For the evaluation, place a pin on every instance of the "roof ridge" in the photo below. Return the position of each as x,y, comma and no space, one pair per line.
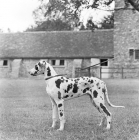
81,31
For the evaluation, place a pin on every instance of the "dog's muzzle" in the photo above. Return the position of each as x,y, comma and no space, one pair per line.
32,73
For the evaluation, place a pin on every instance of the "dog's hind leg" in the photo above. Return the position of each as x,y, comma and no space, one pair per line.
102,120
107,115
99,104
102,109
98,108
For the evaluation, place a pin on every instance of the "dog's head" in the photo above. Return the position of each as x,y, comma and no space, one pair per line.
39,68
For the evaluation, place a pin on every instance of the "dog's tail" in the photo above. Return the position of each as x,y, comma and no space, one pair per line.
107,98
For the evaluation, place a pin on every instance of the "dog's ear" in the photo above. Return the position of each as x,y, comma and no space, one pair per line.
42,63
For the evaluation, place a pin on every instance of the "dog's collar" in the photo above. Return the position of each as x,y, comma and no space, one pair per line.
54,76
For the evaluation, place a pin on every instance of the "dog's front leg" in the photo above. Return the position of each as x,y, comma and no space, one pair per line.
54,113
60,105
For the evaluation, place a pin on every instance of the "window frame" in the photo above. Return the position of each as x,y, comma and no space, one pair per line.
5,63
102,64
129,50
134,53
61,62
58,62
53,64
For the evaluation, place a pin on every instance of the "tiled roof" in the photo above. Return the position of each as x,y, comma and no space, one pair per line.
64,44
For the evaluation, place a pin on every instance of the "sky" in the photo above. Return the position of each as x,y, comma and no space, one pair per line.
17,14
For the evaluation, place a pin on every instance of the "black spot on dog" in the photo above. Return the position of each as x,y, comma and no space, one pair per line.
85,84
48,72
62,78
91,81
103,90
58,83
36,67
59,95
97,85
69,87
95,93
85,90
59,105
76,81
66,96
71,96
61,114
104,109
75,88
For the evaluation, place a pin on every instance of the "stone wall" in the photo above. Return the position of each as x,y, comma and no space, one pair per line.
18,68
5,70
126,36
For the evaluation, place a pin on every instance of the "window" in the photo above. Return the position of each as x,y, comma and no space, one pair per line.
136,54
5,62
61,62
57,62
53,62
131,52
103,62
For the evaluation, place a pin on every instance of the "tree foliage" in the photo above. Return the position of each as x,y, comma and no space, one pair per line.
68,14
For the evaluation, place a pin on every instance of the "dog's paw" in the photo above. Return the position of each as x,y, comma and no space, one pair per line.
60,129
107,128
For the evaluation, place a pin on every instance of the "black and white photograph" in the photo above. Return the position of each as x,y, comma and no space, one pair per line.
69,69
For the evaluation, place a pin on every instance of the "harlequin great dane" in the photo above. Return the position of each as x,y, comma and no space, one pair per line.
60,89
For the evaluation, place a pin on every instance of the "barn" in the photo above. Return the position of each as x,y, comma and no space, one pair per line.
65,50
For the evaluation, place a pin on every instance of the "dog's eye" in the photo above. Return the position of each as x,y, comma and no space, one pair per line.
36,67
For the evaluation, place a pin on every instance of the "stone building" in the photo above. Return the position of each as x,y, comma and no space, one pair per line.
65,50
126,39
68,50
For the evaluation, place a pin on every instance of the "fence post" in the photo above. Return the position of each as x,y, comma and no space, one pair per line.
89,72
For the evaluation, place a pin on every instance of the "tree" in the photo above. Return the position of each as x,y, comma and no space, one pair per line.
72,13
51,25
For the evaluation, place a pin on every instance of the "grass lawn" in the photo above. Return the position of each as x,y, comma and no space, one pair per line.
25,113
